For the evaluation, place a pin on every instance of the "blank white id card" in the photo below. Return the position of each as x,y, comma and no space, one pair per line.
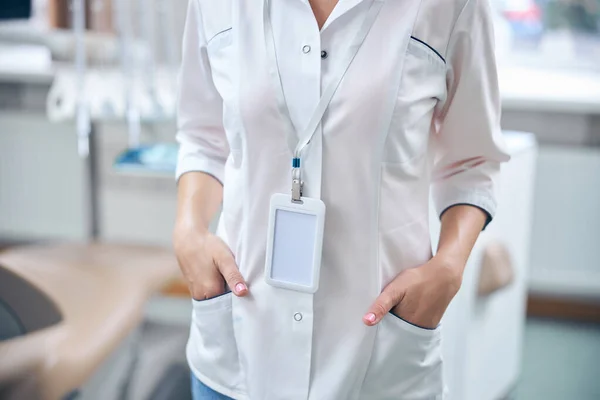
294,243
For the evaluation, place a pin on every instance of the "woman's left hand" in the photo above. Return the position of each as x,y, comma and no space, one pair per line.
419,295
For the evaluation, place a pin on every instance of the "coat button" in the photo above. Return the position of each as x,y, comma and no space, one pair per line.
324,54
306,49
298,317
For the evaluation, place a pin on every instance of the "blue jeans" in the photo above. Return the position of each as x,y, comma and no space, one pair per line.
202,392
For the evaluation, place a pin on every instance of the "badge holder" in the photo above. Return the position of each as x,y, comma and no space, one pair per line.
295,239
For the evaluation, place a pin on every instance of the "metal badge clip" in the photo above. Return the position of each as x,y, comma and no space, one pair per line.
296,189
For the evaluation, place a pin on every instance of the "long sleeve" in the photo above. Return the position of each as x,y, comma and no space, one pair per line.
202,139
469,144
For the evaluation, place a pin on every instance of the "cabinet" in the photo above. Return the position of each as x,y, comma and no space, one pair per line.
483,335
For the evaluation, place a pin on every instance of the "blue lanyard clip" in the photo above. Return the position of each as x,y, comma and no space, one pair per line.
297,184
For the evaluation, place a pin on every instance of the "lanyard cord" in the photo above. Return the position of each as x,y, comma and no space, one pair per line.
313,124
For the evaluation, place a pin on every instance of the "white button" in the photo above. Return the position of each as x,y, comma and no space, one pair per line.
306,49
298,316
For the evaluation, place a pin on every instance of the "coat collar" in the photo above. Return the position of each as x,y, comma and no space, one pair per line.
341,8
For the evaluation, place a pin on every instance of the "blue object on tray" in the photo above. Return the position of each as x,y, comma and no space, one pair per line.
159,157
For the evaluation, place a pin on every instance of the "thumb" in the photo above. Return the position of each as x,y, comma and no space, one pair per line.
229,270
388,299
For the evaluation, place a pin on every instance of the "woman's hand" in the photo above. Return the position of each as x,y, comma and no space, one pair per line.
207,264
205,260
419,295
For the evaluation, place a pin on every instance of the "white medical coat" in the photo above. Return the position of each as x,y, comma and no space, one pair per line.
417,110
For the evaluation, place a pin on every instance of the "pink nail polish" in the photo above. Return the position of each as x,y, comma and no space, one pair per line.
371,317
240,287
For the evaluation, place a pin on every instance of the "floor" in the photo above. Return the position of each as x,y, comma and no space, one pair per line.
561,361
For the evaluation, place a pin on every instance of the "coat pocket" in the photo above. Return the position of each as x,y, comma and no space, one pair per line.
426,52
220,40
406,363
212,349
412,125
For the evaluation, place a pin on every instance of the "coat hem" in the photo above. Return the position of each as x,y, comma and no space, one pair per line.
235,395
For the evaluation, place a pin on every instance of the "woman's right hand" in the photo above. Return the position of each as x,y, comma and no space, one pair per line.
207,263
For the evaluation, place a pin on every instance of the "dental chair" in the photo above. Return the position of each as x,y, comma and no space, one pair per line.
65,310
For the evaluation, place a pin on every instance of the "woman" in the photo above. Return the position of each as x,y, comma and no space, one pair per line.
403,97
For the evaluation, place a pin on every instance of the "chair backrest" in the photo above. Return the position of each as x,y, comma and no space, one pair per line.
23,307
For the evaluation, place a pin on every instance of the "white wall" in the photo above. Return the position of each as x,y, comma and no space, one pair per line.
566,236
43,192
566,227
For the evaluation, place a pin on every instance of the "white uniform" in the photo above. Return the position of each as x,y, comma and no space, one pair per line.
417,109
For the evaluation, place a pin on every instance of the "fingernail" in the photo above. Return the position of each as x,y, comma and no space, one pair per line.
240,287
370,317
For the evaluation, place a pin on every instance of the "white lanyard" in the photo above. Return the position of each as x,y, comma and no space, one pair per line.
311,129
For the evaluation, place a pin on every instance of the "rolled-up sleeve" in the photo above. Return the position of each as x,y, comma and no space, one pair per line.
468,140
200,133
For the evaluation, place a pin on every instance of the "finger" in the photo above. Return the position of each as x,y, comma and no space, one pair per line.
228,268
207,285
208,291
390,296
